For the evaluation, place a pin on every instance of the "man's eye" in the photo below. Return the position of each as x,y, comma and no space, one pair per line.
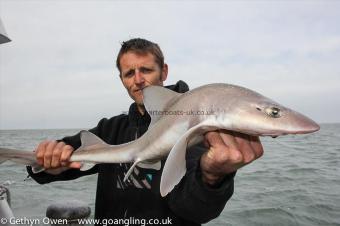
146,70
129,74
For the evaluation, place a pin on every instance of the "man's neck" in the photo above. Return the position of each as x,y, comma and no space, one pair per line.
141,109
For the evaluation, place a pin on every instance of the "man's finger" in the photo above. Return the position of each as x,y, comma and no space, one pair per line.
228,138
214,139
48,154
227,153
257,146
66,154
241,151
55,162
246,148
40,151
75,165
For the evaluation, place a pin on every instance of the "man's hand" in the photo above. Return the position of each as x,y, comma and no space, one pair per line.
228,151
54,156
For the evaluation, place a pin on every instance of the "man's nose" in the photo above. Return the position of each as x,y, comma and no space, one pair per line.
139,77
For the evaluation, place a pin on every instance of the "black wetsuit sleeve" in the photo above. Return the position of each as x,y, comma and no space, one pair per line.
70,174
195,201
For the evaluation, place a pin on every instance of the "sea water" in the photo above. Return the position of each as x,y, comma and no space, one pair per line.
296,182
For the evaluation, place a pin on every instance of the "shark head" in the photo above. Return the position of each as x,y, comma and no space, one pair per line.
271,119
255,114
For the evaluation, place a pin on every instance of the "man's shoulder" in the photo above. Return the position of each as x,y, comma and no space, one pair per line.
107,127
180,87
115,119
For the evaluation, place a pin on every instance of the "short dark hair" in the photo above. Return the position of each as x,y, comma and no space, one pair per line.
141,46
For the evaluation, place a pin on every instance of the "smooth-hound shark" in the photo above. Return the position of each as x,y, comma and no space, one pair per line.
179,121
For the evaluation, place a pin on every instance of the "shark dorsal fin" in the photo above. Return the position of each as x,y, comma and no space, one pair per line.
89,139
158,98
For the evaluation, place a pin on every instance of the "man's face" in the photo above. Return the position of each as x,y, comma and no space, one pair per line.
139,71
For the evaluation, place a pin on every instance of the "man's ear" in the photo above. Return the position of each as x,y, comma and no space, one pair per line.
164,72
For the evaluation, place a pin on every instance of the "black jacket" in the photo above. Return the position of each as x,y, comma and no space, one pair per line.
190,203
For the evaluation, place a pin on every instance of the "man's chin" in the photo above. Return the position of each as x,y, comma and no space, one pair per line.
138,100
139,103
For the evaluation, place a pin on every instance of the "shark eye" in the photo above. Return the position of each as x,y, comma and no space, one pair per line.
273,112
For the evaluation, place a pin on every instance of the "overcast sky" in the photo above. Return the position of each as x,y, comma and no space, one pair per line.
59,70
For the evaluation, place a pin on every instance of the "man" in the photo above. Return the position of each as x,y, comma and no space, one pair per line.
208,183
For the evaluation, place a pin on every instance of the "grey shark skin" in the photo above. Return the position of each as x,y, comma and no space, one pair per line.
180,120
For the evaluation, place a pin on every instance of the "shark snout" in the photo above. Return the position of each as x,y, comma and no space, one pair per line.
304,125
308,127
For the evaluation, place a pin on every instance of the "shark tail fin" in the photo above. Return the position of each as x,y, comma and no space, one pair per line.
20,157
17,156
5,154
3,159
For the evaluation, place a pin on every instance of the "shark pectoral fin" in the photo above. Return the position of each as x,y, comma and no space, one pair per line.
158,98
175,167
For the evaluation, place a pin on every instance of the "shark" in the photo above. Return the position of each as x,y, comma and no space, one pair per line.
179,121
